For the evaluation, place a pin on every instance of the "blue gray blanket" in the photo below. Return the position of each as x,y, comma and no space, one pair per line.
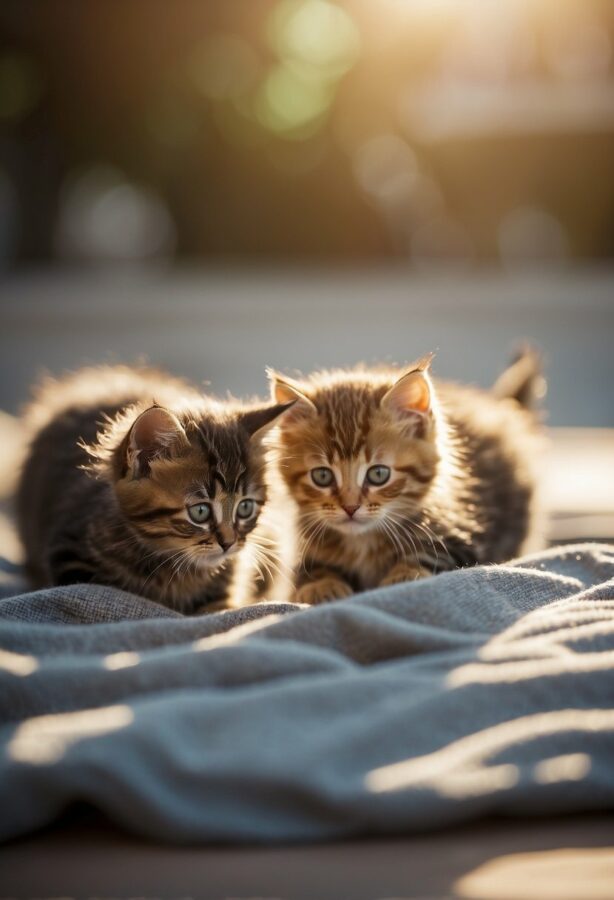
488,690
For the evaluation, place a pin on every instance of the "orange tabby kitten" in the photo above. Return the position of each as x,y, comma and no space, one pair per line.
396,478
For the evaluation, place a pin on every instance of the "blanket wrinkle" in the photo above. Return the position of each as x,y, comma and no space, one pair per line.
482,691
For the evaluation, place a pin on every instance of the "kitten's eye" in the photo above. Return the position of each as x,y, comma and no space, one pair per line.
199,513
245,509
378,474
322,476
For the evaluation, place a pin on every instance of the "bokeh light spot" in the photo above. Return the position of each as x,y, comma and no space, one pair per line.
105,216
531,234
385,166
317,37
286,103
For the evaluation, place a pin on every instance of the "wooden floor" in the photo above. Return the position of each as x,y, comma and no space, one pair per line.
551,859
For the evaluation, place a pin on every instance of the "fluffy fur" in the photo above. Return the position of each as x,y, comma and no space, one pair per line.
456,468
120,461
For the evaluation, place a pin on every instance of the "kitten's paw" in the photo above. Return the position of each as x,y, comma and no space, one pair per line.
322,591
404,572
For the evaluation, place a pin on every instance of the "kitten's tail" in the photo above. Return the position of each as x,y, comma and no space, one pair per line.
523,380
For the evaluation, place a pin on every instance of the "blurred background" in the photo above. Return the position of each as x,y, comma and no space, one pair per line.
219,185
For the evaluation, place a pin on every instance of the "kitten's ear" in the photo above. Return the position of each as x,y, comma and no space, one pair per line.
411,393
411,398
258,421
285,390
152,435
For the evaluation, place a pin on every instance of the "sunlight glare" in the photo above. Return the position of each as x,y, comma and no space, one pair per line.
19,664
461,768
569,767
235,635
45,739
525,669
562,874
123,660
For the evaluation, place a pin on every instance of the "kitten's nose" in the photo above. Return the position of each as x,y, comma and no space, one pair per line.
350,510
226,544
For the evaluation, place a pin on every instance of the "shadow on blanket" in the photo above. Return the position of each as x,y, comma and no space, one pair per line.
487,690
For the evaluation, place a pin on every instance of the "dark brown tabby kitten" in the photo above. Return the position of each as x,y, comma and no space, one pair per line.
158,501
396,477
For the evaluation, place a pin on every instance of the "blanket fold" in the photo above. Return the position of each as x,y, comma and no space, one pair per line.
486,690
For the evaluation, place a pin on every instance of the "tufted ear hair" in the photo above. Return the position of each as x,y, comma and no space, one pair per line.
286,390
154,434
258,421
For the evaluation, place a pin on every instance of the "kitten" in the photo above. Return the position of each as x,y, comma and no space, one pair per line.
396,477
159,501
